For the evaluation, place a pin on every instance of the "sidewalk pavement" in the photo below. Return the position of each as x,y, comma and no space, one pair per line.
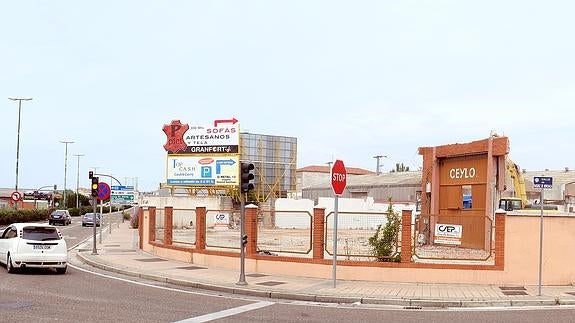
119,253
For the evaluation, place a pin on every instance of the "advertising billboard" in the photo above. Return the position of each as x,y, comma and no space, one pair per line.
207,170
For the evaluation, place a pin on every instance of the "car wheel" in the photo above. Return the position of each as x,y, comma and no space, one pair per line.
61,271
11,269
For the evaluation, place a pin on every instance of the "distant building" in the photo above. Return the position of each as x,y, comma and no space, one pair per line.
562,193
314,175
402,187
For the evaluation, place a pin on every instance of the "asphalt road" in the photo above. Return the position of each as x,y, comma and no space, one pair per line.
85,294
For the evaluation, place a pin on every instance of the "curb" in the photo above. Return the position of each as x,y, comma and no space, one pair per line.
398,302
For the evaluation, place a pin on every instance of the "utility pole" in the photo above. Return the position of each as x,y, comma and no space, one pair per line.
65,168
78,181
378,157
18,141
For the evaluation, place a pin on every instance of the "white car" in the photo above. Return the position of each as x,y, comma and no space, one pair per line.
33,245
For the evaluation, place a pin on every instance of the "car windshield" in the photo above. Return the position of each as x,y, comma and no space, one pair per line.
58,213
40,233
90,216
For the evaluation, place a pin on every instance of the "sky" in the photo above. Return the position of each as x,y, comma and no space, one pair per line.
349,79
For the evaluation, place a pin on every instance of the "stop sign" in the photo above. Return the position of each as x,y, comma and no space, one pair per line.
338,177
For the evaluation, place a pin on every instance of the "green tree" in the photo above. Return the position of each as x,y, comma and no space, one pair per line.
384,241
400,168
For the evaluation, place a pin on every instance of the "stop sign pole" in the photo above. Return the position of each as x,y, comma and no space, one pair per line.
338,183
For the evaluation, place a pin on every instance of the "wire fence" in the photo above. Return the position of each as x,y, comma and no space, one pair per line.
285,233
184,226
353,233
223,229
461,237
159,225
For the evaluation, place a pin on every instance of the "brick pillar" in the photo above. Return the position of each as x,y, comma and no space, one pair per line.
318,233
151,224
500,216
406,236
252,229
201,227
141,226
168,227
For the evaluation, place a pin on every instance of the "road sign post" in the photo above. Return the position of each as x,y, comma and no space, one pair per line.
541,182
338,183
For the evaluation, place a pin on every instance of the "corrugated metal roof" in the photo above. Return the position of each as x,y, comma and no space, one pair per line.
326,169
372,180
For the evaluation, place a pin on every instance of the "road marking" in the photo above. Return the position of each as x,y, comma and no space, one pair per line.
227,313
235,297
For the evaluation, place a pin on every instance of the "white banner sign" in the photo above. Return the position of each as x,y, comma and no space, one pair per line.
226,134
448,233
202,170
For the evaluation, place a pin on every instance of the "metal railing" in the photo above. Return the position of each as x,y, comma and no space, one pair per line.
474,244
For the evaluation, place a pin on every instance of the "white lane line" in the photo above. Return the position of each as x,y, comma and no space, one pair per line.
235,297
227,313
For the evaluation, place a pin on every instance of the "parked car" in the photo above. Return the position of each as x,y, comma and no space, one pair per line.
60,216
33,245
88,219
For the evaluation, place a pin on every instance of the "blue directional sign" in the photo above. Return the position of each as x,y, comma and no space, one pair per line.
542,182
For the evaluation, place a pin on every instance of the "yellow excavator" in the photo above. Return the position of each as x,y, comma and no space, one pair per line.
519,200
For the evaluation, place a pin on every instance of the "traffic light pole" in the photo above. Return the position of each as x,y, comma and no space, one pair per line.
242,281
94,249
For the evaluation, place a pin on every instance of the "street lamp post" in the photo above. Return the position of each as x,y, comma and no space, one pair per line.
78,181
18,141
65,168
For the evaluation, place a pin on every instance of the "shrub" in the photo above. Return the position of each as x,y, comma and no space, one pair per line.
384,241
9,216
134,221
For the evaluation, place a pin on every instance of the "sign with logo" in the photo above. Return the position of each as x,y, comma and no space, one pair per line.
223,137
202,170
448,234
542,182
463,170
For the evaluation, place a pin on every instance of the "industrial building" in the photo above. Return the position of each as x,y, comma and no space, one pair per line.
401,187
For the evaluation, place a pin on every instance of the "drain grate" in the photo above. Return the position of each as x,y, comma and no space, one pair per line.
270,283
150,260
112,245
512,288
570,293
514,293
257,275
190,268
13,305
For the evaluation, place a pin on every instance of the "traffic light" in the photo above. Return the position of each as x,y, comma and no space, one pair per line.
90,174
94,186
246,176
244,240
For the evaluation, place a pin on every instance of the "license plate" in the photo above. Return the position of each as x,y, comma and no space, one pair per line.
41,247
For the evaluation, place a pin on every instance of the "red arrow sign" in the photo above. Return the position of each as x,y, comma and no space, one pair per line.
338,177
232,120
